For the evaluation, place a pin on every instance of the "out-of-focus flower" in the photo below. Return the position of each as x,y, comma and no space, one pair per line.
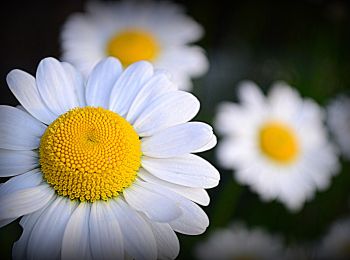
336,243
276,144
158,32
300,252
103,169
339,123
237,242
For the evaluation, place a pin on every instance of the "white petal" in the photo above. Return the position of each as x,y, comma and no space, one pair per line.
55,86
24,88
25,201
19,130
192,221
197,195
77,82
167,242
19,250
53,221
100,82
138,237
250,95
172,108
212,142
17,162
142,198
189,170
177,140
23,181
154,87
128,85
106,239
284,100
76,238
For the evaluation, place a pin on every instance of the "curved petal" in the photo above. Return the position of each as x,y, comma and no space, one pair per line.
138,237
20,182
17,162
24,88
172,108
156,207
75,243
177,140
212,143
192,221
106,239
167,242
101,80
27,180
53,221
154,87
19,250
189,170
56,86
77,82
25,201
197,195
128,85
19,130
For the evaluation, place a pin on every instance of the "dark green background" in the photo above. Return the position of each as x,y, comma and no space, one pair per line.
305,43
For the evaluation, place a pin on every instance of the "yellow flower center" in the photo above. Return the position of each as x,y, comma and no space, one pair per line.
90,154
133,45
278,142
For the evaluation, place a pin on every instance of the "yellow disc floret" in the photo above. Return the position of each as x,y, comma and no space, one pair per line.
278,142
90,154
133,45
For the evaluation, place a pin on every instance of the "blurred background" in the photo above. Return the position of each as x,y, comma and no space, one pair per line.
305,43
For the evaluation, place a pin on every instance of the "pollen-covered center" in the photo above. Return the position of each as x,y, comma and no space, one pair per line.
278,142
133,45
90,154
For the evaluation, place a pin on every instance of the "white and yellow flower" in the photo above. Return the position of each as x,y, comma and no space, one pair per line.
276,144
238,242
339,123
336,243
104,169
131,31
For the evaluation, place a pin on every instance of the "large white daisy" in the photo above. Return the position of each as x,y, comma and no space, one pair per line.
276,144
158,32
104,169
339,123
336,243
238,242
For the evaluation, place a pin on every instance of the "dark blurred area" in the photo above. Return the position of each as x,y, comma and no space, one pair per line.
305,43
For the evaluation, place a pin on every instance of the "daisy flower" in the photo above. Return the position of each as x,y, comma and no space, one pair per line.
276,144
102,170
237,242
336,243
339,123
131,31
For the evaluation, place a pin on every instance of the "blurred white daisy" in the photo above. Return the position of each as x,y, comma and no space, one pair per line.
276,144
103,170
159,32
237,242
339,123
336,243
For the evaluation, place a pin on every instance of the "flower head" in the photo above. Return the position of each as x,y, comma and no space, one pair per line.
158,32
106,167
276,144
